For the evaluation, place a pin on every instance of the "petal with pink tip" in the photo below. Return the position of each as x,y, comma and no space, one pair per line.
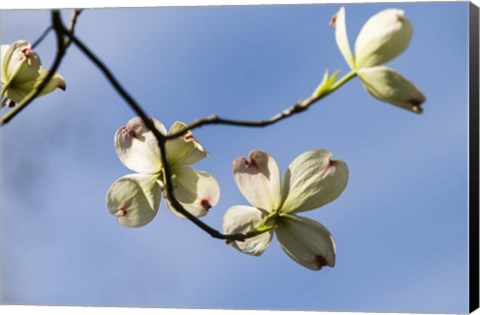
338,21
185,149
389,86
134,199
259,180
312,180
196,191
306,241
137,147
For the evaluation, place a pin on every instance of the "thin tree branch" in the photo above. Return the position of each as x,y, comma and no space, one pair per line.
113,81
169,194
71,26
42,37
296,108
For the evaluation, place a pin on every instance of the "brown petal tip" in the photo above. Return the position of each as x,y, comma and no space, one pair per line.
321,262
205,204
333,21
416,105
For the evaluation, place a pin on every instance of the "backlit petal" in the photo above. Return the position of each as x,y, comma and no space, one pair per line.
312,180
338,21
240,219
57,81
306,241
259,180
16,95
196,191
383,37
184,149
3,58
391,87
134,199
137,147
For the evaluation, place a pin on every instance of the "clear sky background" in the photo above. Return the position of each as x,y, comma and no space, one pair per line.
400,226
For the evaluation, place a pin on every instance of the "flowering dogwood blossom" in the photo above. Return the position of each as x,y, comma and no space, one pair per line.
383,37
22,72
312,180
134,199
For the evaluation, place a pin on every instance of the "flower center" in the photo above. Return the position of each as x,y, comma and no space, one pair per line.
321,261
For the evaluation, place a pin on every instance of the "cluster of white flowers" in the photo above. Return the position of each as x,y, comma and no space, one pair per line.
134,199
312,180
22,72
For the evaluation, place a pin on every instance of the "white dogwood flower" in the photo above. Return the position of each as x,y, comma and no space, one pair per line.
21,72
135,198
312,180
383,37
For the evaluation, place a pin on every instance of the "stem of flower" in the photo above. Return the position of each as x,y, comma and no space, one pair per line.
343,80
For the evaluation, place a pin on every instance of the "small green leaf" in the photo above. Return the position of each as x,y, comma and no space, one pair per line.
320,88
326,84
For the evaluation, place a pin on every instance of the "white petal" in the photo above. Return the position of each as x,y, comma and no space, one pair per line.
306,241
18,92
391,87
57,81
137,147
16,95
3,59
134,199
312,180
184,149
338,21
259,180
240,219
383,37
197,191
21,63
3,51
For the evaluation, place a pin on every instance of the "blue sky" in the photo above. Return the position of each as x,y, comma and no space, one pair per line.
400,226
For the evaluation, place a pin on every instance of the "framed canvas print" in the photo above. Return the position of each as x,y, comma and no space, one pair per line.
289,157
